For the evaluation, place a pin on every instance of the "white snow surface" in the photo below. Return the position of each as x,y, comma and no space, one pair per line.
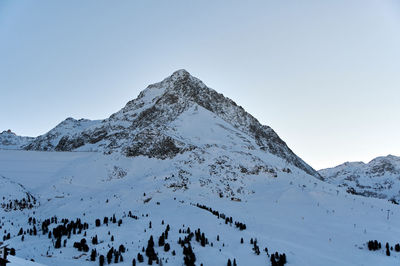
313,222
15,261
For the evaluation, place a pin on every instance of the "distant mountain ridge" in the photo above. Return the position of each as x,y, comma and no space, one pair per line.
380,178
148,126
9,140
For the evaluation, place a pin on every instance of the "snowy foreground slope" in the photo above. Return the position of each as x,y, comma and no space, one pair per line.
380,178
312,222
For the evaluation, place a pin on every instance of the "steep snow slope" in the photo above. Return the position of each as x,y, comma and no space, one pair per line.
312,222
380,178
151,125
9,140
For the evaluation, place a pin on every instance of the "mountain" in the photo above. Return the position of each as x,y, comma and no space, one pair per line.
380,178
177,115
9,140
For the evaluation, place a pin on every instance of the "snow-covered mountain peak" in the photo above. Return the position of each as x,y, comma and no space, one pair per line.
377,178
347,165
10,140
384,165
180,74
8,132
71,123
162,103
389,159
154,92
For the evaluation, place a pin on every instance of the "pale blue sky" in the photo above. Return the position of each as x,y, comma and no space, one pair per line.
324,74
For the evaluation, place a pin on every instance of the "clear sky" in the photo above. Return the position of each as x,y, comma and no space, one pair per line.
324,74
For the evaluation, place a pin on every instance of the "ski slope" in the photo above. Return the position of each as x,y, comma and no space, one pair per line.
312,222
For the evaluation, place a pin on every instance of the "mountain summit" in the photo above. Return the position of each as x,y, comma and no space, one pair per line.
179,115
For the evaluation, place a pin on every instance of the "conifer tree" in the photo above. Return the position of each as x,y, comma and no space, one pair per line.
58,243
101,260
161,240
387,251
12,251
150,249
109,256
273,262
203,240
93,255
140,258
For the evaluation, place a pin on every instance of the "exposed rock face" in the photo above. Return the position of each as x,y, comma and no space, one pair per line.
161,146
379,178
152,125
